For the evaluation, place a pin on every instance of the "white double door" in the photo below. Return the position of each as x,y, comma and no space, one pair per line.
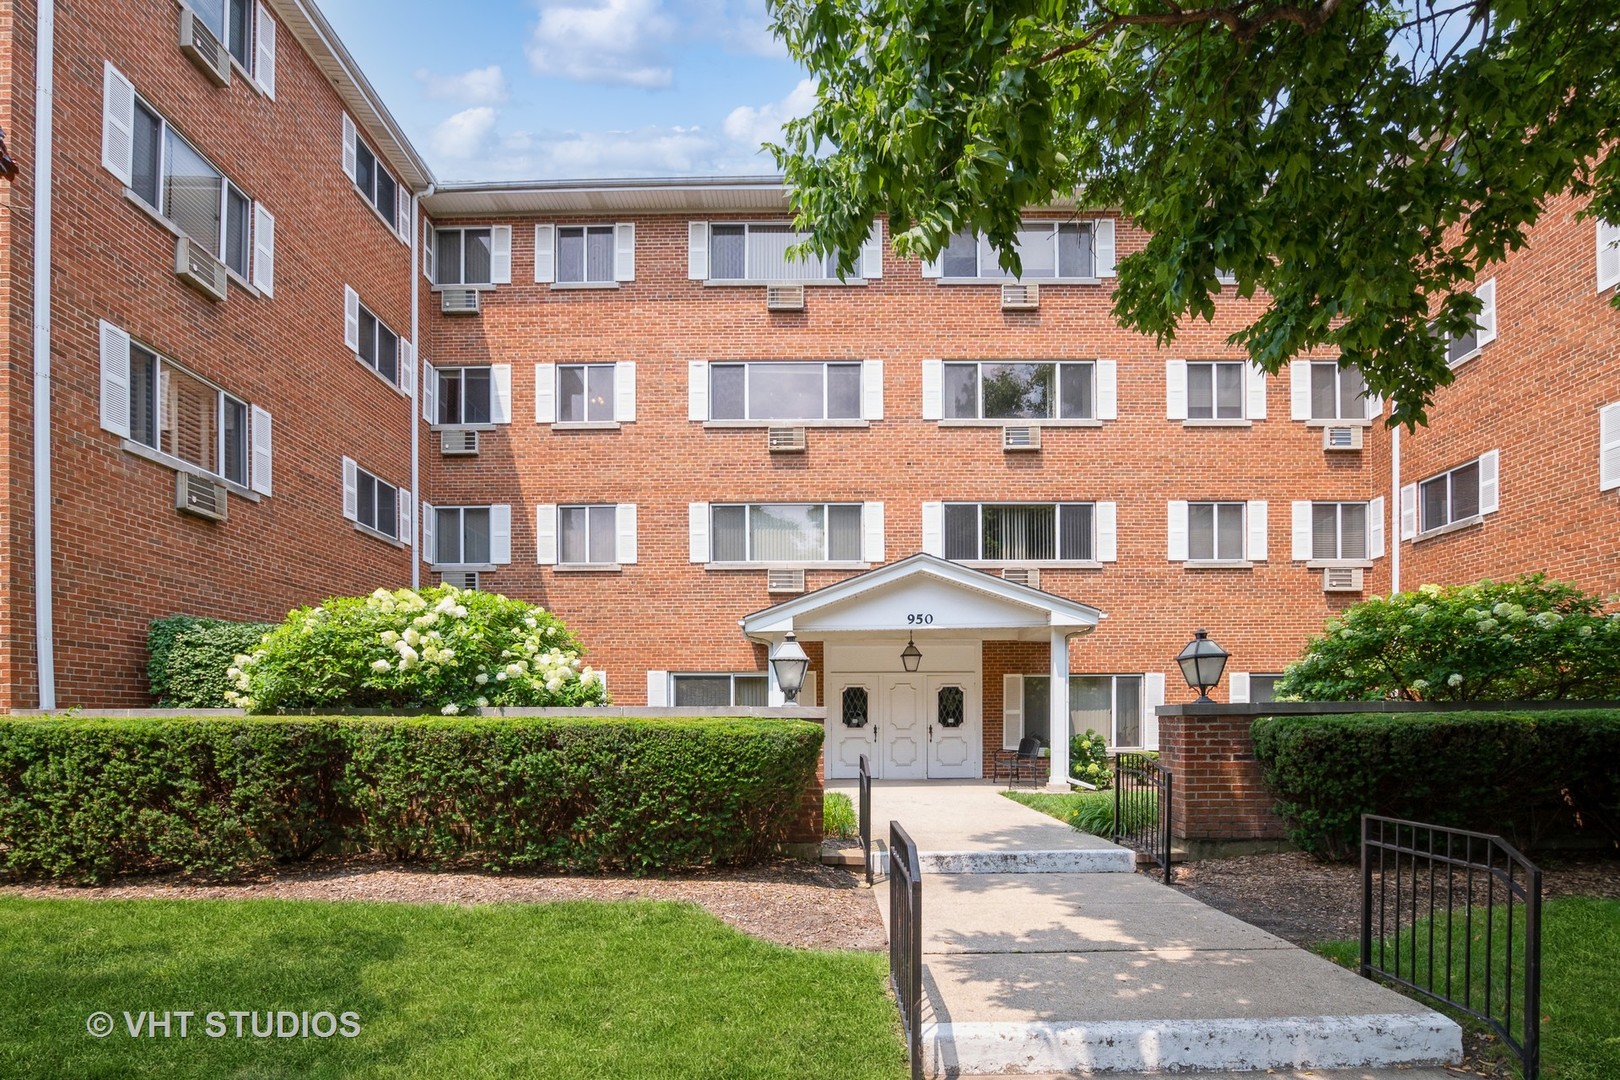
919,726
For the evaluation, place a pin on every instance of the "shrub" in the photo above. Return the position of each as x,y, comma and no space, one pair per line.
1522,774
1510,641
1095,813
838,819
189,657
87,799
441,650
1088,759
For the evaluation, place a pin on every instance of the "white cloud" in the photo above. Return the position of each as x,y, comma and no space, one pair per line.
604,41
742,26
752,126
465,135
480,86
578,155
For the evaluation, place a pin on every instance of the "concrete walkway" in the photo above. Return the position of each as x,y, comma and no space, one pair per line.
1043,971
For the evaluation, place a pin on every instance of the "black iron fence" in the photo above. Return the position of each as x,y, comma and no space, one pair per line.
865,818
905,938
1455,916
1143,794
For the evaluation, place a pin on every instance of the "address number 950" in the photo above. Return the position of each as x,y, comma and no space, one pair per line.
919,620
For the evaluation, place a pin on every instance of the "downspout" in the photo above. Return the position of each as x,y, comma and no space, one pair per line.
416,382
1394,525
44,609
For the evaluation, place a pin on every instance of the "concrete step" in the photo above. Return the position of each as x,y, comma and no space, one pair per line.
1054,861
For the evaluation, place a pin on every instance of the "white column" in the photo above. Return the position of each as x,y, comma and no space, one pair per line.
1059,704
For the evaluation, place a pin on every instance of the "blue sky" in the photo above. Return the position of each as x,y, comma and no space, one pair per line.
564,89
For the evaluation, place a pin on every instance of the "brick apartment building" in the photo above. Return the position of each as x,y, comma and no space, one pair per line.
618,399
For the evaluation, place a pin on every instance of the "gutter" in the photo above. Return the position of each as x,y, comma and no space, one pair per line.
1393,526
44,608
416,382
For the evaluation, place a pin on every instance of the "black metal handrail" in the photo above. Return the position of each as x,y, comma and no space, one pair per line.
1458,919
866,817
1144,792
905,938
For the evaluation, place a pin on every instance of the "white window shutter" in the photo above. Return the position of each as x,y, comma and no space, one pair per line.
1237,691
1299,390
1304,538
430,393
935,267
872,527
351,489
624,391
351,319
697,250
260,436
500,255
1375,406
697,391
117,124
407,368
1608,255
1375,528
545,253
1489,486
871,390
1256,516
114,380
1256,377
872,252
1106,515
500,534
624,545
933,389
1409,517
1012,711
1609,447
351,156
1176,547
1103,246
430,249
1487,313
545,534
657,689
406,515
500,393
264,36
403,216
697,531
933,529
1107,390
1152,698
624,251
545,393
264,249
428,551
1175,389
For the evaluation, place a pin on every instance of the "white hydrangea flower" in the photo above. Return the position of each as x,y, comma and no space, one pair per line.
483,703
380,666
389,637
1455,680
451,709
481,679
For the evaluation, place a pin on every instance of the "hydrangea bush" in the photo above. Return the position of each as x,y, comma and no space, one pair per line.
443,650
1519,640
1088,759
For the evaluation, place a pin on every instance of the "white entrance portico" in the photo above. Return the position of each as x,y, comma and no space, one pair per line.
930,722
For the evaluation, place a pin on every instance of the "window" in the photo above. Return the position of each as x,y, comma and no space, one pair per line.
786,532
721,691
785,391
1337,393
1450,497
462,535
1037,710
587,535
585,393
1263,687
855,706
1047,250
464,395
1608,256
377,503
585,253
1339,530
1467,346
171,177
377,185
758,252
231,21
1006,532
177,414
1215,390
463,257
1108,704
1019,391
379,347
1214,531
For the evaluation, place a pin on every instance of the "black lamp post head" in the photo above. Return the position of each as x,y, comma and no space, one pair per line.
911,656
1202,662
790,662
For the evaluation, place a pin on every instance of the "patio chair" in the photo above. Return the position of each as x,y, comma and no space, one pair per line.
1026,762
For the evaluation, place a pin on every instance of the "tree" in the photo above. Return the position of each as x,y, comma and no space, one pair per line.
1356,162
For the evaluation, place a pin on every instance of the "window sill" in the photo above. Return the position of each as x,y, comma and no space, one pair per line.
1316,422
1455,526
588,568
1218,564
1055,564
376,213
158,457
761,425
967,423
443,567
1019,281
1336,564
760,283
241,69
380,377
1207,423
475,286
586,425
583,286
174,230
756,566
458,427
376,535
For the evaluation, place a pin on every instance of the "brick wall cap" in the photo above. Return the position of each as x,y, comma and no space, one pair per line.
1338,708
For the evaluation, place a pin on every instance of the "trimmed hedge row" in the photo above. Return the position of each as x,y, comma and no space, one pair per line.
1525,775
189,656
87,799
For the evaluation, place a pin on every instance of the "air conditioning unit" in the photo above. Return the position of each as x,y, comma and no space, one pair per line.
461,579
194,265
784,298
1023,575
784,581
1341,438
458,442
203,48
1342,579
1024,437
785,440
199,497
1016,296
459,301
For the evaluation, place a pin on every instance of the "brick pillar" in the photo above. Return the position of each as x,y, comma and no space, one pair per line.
1220,796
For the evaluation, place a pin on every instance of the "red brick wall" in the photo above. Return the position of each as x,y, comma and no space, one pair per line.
1218,790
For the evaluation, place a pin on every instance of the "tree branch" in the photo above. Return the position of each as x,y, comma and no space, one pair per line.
1232,17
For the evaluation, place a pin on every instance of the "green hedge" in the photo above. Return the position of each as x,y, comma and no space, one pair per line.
190,655
1525,775
87,799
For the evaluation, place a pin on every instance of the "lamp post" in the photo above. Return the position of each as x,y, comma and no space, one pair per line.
1201,664
790,662
911,656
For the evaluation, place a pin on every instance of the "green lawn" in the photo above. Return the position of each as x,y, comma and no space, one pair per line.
561,990
1059,805
1580,996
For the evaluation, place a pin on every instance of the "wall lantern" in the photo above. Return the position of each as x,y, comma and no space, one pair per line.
1201,664
790,662
911,656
